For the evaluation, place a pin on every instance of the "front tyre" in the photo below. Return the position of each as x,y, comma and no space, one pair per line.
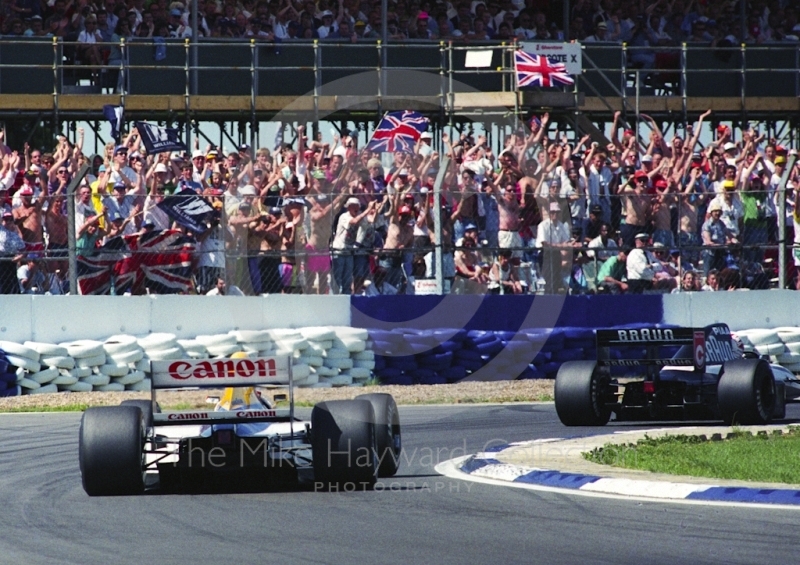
387,432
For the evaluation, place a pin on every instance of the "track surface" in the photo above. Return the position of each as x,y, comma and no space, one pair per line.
417,517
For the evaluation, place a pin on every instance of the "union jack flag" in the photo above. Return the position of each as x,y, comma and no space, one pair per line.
535,70
398,131
160,261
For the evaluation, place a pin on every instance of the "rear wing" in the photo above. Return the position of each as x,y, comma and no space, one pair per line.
223,373
698,347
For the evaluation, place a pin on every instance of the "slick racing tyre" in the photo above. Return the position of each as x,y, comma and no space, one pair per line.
343,444
146,406
579,395
110,450
387,432
746,392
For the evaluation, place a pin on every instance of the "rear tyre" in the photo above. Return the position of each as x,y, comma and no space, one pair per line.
387,432
343,444
110,451
746,392
146,407
579,394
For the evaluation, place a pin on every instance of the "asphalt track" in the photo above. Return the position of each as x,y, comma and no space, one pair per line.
417,517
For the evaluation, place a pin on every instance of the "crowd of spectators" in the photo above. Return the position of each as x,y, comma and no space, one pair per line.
637,22
545,213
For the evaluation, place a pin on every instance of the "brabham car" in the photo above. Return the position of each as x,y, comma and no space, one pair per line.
347,442
709,377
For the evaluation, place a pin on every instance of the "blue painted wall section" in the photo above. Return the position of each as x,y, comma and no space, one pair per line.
438,340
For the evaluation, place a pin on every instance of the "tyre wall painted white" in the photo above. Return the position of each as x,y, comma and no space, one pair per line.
55,319
739,309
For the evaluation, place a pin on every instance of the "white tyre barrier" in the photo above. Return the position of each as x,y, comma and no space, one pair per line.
318,333
143,365
245,336
223,349
131,378
284,333
313,360
78,387
45,376
192,355
321,385
192,345
19,350
310,380
793,367
762,337
292,344
81,372
46,349
216,339
24,363
64,380
337,353
789,334
97,380
95,361
128,356
115,370
110,387
301,371
350,344
359,364
339,363
771,349
360,373
319,347
59,362
44,389
141,386
339,380
84,348
21,373
366,355
788,358
120,344
251,351
355,333
157,341
27,384
326,371
793,346
166,354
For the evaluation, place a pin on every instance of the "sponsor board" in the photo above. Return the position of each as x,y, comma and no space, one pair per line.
568,54
217,373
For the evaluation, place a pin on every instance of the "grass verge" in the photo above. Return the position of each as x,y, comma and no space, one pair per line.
769,458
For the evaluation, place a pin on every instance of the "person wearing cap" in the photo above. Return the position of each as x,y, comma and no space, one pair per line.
601,184
730,153
757,216
31,276
11,246
123,205
177,28
421,29
641,266
344,242
329,25
594,223
599,36
612,275
186,181
119,168
731,205
716,238
553,237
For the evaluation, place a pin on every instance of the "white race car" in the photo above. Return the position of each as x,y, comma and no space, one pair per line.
347,442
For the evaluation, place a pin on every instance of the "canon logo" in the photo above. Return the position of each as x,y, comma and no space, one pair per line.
188,416
255,414
223,368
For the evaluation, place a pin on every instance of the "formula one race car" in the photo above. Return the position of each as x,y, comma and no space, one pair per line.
347,442
686,374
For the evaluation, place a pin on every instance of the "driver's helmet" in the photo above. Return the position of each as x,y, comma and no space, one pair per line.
737,343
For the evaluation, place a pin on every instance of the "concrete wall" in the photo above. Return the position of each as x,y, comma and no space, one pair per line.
62,318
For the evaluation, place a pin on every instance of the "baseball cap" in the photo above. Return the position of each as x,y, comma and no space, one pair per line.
197,153
470,227
275,211
639,175
426,135
248,190
422,16
326,14
780,159
114,217
119,184
647,159
26,191
602,25
161,168
642,235
177,13
596,209
715,206
8,214
148,224
244,147
697,155
402,173
661,183
353,201
728,146
728,184
404,210
120,149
